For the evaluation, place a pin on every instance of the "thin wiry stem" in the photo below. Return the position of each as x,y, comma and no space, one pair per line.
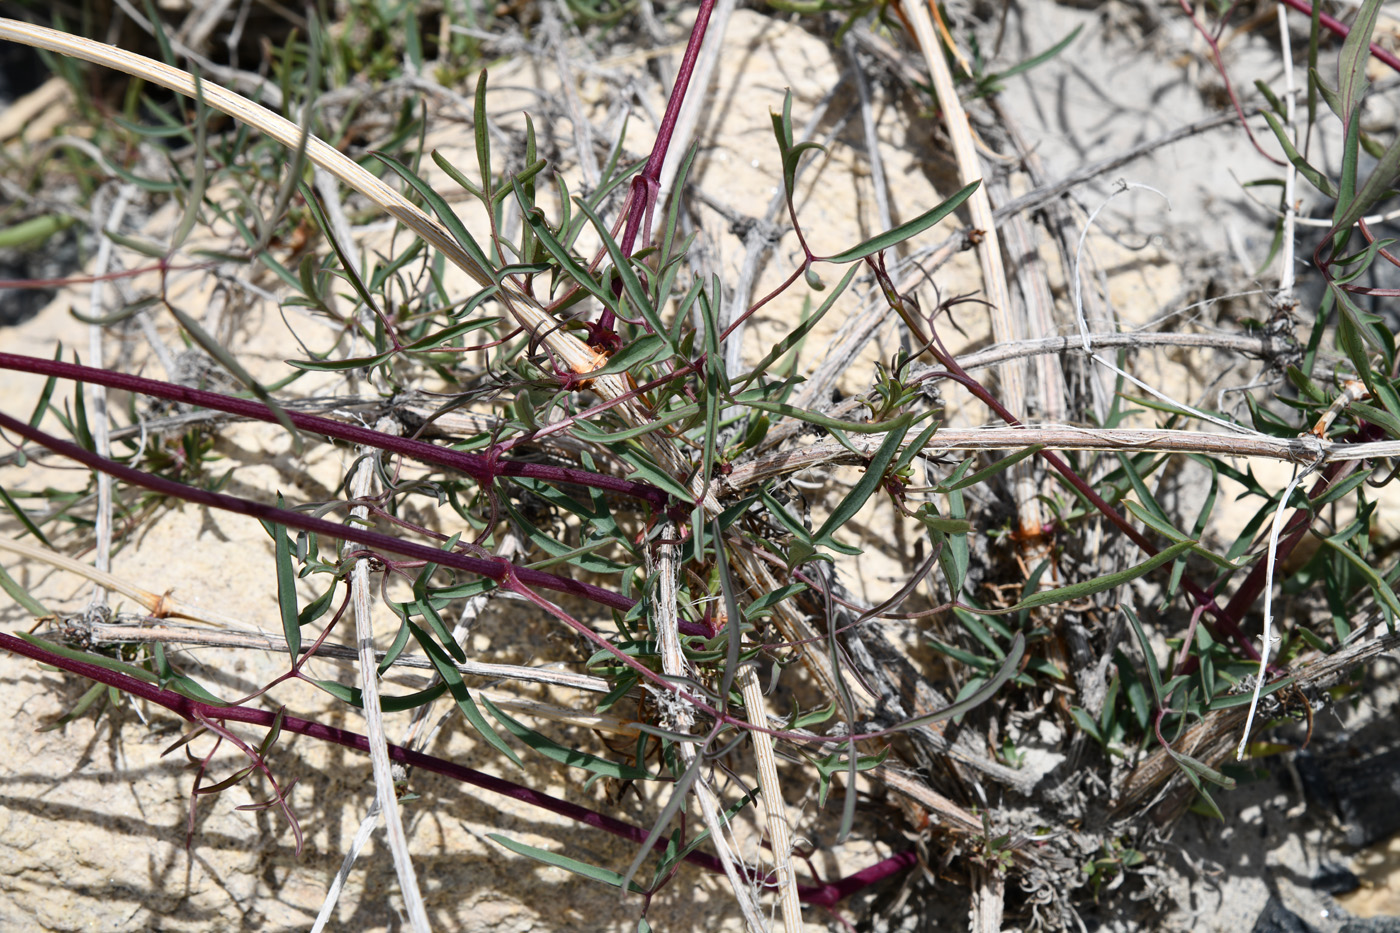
496,570
482,467
196,711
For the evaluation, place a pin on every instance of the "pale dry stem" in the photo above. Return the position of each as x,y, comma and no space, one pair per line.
680,717
1013,372
362,486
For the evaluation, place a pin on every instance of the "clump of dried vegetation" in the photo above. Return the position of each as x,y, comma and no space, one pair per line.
568,422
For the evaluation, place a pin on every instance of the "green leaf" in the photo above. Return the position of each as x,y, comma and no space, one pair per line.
444,212
637,353
912,449
567,756
195,196
1273,99
171,679
1106,582
1382,179
1038,59
906,230
1154,674
837,762
41,407
286,588
347,263
1318,180
1379,587
956,556
217,350
1158,524
20,595
389,704
873,477
1232,700
181,685
453,678
647,470
1008,670
483,135
679,792
590,433
24,518
981,476
1356,51
591,872
733,627
534,217
772,598
622,265
1088,724
30,233
788,153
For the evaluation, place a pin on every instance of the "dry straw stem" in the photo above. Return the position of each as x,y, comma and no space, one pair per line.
572,351
235,633
1013,372
1305,449
362,487
1262,345
775,811
97,634
162,606
950,816
355,409
679,716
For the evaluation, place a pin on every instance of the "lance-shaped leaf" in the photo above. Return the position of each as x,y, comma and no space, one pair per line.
905,230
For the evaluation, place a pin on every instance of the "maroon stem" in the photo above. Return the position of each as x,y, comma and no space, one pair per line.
482,467
647,185
1214,44
195,711
495,569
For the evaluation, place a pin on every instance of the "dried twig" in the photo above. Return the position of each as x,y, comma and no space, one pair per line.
361,487
1304,450
679,716
1013,373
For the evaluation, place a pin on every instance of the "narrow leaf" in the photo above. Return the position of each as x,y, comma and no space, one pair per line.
905,230
591,872
1106,582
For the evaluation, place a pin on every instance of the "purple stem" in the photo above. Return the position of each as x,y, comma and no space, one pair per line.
1213,43
482,467
516,579
647,185
495,568
194,711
